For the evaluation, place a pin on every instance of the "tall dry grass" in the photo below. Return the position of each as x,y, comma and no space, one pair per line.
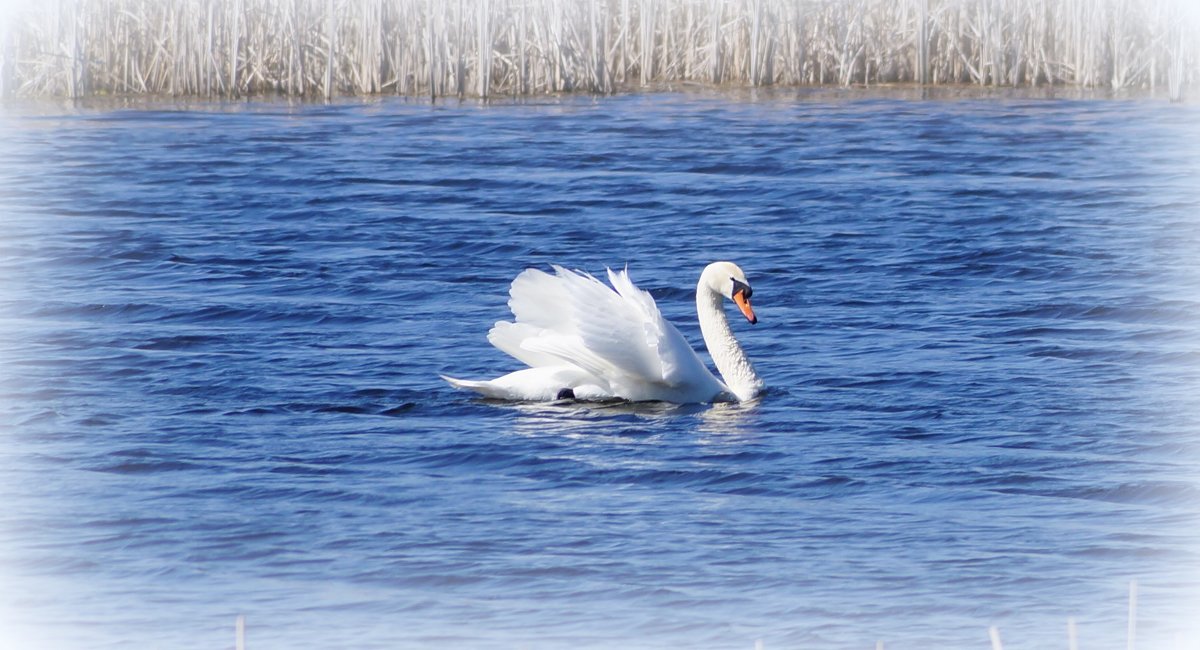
315,48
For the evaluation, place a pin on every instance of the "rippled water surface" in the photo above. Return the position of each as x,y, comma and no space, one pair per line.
221,330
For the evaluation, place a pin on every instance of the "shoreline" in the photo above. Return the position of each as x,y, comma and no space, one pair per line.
895,91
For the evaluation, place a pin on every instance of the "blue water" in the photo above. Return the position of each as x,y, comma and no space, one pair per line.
221,328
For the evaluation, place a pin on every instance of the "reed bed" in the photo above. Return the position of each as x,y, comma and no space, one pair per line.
486,48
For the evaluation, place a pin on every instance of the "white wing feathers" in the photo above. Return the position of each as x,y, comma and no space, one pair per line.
615,335
654,328
508,338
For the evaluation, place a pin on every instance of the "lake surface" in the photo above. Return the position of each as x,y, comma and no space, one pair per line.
221,329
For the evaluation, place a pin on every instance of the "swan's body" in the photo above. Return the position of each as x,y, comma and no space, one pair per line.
584,340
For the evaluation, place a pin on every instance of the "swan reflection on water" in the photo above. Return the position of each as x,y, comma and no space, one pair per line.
729,418
619,418
632,420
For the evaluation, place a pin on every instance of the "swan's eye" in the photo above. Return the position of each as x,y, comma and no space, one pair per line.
743,288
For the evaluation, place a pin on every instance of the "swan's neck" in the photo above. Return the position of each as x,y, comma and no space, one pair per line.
728,356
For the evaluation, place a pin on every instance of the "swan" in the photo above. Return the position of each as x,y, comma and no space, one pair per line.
584,340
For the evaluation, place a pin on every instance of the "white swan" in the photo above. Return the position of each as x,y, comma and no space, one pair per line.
586,341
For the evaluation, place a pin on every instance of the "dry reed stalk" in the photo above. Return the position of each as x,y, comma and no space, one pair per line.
1131,642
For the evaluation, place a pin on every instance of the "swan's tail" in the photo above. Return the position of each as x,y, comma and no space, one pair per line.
464,383
485,388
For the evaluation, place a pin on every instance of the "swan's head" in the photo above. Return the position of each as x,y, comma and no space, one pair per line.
729,280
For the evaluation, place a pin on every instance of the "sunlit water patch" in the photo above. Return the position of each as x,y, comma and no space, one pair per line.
222,330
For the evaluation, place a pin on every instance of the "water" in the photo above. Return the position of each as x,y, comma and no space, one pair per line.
222,329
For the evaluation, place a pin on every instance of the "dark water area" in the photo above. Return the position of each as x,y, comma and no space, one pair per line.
221,331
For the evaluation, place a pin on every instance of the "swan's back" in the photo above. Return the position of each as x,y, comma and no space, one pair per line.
615,340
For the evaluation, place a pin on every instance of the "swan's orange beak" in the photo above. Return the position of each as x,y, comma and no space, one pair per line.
743,303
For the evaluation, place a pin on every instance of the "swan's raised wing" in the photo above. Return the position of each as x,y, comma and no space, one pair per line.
616,335
677,361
